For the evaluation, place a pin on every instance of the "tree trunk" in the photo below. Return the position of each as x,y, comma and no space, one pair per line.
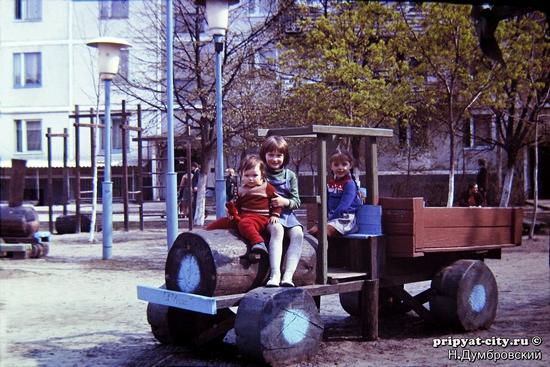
535,183
450,195
201,202
499,172
507,187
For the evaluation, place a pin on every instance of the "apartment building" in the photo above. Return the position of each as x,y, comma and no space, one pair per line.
47,69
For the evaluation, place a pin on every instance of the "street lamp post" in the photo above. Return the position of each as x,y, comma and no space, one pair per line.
171,177
217,16
108,61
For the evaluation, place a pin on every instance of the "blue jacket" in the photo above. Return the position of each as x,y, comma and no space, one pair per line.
342,197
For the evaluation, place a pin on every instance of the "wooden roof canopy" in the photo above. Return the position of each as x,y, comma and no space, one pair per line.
315,130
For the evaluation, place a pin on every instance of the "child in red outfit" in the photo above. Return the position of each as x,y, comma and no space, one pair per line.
253,210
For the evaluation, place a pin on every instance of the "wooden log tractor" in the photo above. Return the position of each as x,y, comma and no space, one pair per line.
206,275
19,223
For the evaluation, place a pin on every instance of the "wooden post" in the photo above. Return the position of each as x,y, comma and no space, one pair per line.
369,309
372,171
140,168
124,167
321,215
50,181
77,167
189,181
93,151
17,182
370,292
65,168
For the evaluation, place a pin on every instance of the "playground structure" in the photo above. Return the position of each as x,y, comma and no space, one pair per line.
205,274
132,198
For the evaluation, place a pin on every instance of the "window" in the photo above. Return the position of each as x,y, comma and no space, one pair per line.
28,135
113,9
27,69
265,58
259,7
404,133
116,134
123,65
411,134
28,9
477,131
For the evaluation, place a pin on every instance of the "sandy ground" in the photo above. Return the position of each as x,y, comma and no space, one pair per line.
74,309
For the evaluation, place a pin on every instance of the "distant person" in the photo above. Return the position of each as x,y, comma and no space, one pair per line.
195,174
183,196
472,197
231,186
482,179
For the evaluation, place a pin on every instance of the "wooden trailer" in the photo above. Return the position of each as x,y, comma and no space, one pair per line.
206,274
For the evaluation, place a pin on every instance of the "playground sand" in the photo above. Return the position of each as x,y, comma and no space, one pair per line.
74,309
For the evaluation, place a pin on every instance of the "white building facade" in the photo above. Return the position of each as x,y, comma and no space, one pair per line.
47,69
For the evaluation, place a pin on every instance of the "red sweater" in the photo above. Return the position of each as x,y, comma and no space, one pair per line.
256,200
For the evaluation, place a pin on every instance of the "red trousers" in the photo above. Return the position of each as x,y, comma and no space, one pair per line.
250,226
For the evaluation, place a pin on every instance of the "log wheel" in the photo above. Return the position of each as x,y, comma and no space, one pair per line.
465,294
174,326
278,325
389,305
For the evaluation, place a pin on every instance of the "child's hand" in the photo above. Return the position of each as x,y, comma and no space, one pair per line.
279,201
273,219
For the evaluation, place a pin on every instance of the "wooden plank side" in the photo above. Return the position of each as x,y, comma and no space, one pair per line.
398,228
468,248
181,300
450,237
467,217
400,246
396,215
517,226
418,223
397,203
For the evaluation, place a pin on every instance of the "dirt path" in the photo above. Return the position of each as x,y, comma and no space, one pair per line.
74,309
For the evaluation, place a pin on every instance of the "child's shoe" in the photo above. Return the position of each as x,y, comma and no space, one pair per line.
259,248
273,281
287,282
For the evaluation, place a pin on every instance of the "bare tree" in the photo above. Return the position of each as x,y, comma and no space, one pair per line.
194,82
